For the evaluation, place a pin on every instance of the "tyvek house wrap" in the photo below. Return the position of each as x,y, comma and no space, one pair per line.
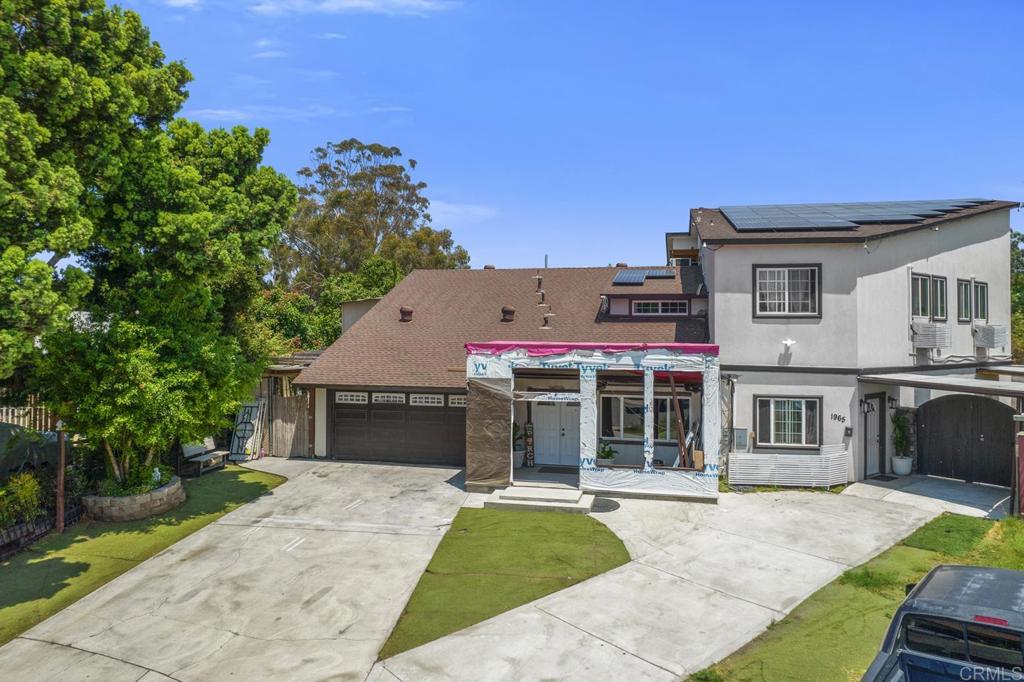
490,367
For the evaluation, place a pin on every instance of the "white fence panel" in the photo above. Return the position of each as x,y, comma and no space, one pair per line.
824,470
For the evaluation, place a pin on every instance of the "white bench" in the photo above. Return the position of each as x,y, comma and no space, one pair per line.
202,457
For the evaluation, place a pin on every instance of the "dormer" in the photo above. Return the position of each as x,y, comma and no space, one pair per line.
651,294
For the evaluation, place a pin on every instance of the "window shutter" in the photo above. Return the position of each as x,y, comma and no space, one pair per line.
764,421
811,422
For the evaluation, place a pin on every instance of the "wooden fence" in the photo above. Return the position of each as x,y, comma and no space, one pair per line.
289,425
820,470
31,416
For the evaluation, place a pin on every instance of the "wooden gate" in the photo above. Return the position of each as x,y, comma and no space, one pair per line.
967,437
289,426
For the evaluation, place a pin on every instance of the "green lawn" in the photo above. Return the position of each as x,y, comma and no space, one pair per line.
58,570
493,560
834,635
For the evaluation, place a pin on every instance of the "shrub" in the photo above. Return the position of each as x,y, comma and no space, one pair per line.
21,499
141,480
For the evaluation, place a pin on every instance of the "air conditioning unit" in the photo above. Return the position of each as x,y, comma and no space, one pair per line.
931,335
991,335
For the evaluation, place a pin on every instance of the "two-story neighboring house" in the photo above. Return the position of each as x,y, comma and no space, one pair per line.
832,317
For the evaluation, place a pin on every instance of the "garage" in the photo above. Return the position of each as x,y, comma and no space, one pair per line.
967,437
967,432
419,427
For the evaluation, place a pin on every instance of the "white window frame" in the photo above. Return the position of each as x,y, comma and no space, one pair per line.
964,294
787,303
771,425
456,400
351,397
938,301
978,288
388,398
661,308
426,399
920,285
670,426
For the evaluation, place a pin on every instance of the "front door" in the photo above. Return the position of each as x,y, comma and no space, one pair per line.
556,432
873,445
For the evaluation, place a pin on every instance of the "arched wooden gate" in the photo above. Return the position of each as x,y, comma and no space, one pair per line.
967,437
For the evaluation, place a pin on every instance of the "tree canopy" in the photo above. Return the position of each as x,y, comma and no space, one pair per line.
80,85
357,201
142,340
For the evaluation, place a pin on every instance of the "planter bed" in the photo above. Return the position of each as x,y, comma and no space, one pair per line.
134,507
19,536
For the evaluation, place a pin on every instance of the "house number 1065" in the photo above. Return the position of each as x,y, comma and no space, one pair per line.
839,418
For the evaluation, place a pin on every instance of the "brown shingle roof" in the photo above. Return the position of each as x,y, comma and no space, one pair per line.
455,307
714,227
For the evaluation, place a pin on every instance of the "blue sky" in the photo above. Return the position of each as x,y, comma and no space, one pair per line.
585,130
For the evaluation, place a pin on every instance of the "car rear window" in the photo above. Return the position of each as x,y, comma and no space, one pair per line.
937,636
948,638
995,647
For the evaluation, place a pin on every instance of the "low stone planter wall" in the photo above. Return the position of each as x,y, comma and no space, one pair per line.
135,507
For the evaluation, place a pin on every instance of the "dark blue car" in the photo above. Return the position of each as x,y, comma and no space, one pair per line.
962,623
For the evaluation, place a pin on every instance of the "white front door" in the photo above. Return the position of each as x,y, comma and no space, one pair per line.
556,434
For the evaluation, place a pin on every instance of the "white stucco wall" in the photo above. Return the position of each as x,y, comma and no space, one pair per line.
865,306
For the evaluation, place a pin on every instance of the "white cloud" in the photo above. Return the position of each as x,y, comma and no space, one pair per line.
265,42
451,214
261,112
182,3
332,36
390,7
270,54
386,110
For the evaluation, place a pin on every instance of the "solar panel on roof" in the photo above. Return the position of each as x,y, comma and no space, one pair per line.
839,216
638,277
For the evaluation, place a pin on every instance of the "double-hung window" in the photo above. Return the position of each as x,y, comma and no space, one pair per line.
928,297
963,300
661,307
980,301
787,291
788,421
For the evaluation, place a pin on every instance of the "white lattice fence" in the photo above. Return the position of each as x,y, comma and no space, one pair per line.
826,469
31,417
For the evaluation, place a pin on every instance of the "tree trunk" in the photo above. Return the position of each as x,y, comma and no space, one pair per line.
113,462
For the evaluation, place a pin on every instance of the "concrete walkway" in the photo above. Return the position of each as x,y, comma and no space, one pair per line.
704,580
305,583
937,495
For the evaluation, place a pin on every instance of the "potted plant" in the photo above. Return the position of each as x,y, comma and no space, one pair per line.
605,454
518,448
902,462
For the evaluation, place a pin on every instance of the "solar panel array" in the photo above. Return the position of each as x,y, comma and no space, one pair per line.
839,216
638,277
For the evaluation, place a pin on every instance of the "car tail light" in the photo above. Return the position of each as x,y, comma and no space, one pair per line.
990,620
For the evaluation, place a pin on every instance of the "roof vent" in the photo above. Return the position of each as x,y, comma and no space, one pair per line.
540,292
489,267
540,280
621,265
547,320
405,313
508,313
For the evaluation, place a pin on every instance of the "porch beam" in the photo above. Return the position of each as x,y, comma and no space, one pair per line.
648,419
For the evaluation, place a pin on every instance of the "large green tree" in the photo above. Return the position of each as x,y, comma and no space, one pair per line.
80,85
357,201
167,227
1017,294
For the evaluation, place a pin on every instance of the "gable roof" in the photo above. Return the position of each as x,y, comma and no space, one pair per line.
455,307
714,227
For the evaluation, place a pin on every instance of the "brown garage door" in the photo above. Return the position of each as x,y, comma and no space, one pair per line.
967,437
398,426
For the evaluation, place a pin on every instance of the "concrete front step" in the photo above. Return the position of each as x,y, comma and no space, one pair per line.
540,494
580,505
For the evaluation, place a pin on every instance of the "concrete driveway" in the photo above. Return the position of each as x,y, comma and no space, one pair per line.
303,584
704,580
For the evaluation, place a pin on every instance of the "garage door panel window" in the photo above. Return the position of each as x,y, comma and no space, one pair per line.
350,397
389,398
426,399
788,421
790,291
456,401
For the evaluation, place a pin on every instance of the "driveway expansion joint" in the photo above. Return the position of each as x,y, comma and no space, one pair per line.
146,670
